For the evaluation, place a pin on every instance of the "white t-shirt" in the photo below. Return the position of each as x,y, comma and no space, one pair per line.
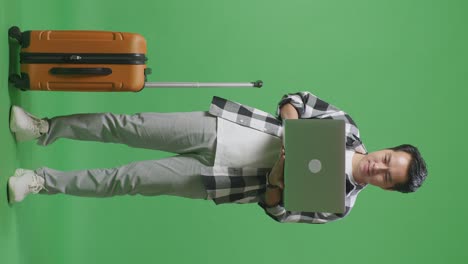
239,146
349,154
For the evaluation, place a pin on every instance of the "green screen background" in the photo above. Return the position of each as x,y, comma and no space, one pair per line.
399,68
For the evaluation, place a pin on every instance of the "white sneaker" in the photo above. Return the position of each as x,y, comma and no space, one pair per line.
26,126
23,183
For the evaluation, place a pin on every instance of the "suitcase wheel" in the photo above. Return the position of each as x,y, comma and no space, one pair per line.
19,82
15,33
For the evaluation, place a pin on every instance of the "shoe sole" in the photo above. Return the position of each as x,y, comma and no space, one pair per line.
13,127
10,191
14,112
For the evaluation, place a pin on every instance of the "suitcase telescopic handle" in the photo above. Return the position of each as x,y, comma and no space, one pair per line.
80,71
257,84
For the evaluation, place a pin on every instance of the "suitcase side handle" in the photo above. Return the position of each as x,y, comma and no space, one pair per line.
80,71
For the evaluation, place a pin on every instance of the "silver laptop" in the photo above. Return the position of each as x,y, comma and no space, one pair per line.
314,169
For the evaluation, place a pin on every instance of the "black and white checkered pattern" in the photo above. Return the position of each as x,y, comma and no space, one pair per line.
246,116
247,185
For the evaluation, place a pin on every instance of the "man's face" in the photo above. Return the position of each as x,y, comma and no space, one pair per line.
385,168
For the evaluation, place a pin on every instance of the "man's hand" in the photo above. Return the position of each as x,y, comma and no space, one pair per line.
276,176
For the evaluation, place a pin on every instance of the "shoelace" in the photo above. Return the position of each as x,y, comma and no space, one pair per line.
36,185
38,125
35,128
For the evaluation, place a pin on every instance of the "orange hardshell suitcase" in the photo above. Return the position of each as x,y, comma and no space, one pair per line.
88,61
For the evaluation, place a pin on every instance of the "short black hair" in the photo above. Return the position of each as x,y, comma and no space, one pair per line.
417,170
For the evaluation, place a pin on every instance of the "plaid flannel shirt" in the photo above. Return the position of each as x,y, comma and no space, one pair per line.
248,185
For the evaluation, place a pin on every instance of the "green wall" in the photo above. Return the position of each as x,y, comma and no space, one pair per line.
399,68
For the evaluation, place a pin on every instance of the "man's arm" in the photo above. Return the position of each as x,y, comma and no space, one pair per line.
310,106
274,191
274,207
273,195
288,111
307,105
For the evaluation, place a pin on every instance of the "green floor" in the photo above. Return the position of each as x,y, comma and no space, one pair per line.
398,67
